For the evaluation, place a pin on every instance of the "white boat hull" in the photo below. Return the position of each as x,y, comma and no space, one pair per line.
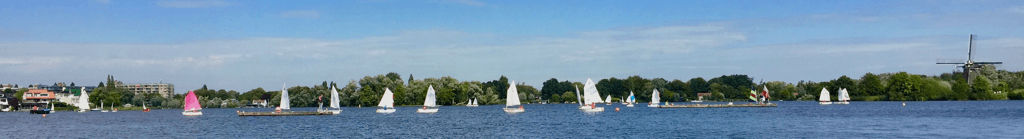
433,110
842,102
514,110
82,110
472,105
332,112
653,105
592,109
825,103
386,110
104,111
629,105
192,113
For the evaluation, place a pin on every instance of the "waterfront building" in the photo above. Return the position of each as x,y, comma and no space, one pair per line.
164,89
37,97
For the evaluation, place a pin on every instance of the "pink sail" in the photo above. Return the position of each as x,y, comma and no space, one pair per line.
191,102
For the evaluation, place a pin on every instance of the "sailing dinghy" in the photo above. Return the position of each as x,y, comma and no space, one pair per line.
844,97
335,107
655,99
430,103
83,101
387,102
512,99
591,97
192,107
824,98
631,100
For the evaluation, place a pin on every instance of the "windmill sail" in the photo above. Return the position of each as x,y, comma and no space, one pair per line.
431,99
512,95
590,94
285,102
335,102
388,100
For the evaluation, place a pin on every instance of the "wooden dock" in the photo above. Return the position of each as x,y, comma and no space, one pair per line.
718,105
242,113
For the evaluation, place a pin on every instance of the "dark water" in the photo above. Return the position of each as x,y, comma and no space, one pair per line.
940,119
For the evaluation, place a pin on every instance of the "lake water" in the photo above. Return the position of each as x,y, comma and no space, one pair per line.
938,119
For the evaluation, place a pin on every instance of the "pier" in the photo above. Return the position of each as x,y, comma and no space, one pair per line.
242,113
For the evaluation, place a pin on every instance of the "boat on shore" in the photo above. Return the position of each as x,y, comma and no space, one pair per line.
430,102
387,102
591,97
284,109
824,98
512,99
192,107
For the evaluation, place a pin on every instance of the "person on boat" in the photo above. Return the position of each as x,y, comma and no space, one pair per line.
278,109
424,107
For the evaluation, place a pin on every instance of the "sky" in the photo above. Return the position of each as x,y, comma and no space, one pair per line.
241,45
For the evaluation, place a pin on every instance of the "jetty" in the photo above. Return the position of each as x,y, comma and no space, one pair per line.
242,113
718,105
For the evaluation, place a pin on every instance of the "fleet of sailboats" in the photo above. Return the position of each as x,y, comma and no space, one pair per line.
192,107
512,99
844,97
387,102
655,99
472,103
591,97
430,102
824,98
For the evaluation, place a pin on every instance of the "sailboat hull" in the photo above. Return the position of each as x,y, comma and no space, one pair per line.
842,102
429,110
385,110
514,110
629,105
824,103
192,113
472,105
592,109
653,105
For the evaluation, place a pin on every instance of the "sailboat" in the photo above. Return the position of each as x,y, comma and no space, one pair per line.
387,102
824,98
286,103
631,100
335,107
192,107
284,109
471,103
113,109
591,97
608,100
101,107
844,97
83,101
144,109
579,98
430,102
475,102
655,99
512,99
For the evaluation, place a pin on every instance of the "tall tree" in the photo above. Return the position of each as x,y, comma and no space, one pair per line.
870,85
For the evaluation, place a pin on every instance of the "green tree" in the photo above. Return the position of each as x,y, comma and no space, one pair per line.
555,98
698,85
901,85
569,96
961,90
870,85
981,89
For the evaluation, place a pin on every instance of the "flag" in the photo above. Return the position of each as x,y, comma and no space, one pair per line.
765,93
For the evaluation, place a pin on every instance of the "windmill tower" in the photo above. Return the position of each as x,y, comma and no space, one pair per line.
970,65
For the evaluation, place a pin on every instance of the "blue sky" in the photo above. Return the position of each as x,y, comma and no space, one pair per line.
240,45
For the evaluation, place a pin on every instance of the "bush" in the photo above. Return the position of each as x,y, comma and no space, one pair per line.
1016,94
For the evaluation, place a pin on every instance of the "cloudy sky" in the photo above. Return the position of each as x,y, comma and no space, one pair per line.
240,45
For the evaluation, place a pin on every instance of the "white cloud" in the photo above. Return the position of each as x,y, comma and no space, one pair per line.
192,4
465,2
311,14
1016,9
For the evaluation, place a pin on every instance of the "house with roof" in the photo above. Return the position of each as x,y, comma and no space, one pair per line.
37,97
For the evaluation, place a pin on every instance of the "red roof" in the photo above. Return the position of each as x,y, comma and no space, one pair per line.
36,94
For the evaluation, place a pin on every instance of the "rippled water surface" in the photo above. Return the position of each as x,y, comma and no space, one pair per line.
939,119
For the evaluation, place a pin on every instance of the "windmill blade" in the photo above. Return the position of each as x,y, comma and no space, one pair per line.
949,63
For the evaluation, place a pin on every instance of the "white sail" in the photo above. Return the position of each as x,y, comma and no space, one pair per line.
632,99
285,102
431,99
656,97
512,95
824,97
83,100
845,96
474,101
578,98
590,94
608,99
335,102
388,100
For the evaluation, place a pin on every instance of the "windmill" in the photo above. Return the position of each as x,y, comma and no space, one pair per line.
970,65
